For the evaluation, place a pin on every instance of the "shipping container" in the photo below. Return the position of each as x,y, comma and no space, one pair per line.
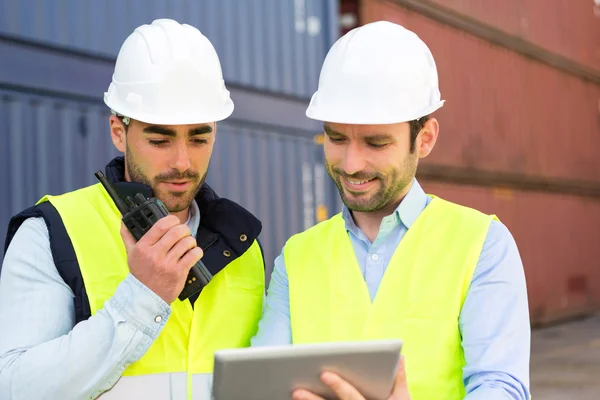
275,173
53,145
520,130
83,77
505,112
569,28
557,237
58,59
271,45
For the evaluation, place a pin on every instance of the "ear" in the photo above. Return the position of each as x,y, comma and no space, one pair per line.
118,133
427,137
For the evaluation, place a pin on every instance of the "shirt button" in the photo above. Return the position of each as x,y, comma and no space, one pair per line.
158,319
374,257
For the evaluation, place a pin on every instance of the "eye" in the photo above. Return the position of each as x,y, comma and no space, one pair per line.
157,142
336,139
377,145
201,141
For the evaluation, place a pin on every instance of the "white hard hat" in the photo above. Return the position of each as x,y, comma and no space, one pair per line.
168,73
380,73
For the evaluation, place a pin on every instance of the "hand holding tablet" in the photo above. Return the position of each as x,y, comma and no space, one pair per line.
265,373
345,391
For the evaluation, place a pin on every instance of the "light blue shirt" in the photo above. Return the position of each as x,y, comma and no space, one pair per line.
43,355
494,321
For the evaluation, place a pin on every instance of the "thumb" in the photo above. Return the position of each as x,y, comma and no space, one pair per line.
127,237
400,391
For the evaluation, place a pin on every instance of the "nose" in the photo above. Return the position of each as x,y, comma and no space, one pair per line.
180,160
354,160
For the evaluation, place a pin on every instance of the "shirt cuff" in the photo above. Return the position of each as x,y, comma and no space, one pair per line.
140,306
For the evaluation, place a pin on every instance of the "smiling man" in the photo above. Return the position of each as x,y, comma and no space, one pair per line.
398,263
85,309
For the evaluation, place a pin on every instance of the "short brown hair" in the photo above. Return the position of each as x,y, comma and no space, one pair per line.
415,127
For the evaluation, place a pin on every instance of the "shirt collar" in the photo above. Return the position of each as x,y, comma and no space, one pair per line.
406,213
193,221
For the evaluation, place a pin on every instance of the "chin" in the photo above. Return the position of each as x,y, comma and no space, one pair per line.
177,207
355,205
362,198
181,201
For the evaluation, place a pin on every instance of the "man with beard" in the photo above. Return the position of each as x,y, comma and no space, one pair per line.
396,263
86,309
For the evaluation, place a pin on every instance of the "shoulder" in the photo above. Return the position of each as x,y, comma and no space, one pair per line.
499,255
317,231
28,253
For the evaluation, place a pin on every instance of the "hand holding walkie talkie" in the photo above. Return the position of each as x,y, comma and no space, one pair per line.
139,216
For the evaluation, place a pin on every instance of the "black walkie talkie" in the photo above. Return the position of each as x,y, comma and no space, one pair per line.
139,214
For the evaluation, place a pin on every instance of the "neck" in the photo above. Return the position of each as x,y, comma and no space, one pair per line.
370,222
183,215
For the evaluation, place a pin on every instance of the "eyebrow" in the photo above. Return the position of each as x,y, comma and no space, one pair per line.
379,137
374,136
331,132
161,130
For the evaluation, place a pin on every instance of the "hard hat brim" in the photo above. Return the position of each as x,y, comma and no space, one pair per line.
366,118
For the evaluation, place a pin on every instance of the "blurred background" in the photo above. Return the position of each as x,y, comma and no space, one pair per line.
520,131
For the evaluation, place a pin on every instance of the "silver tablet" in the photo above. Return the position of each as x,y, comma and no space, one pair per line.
272,373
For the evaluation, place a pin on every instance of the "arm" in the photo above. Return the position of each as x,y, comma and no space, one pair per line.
274,327
494,323
42,354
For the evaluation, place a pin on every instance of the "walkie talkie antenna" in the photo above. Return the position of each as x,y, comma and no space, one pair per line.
123,209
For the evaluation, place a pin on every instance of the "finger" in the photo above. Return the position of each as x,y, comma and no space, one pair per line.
190,258
343,389
171,238
178,251
301,394
400,390
159,229
128,239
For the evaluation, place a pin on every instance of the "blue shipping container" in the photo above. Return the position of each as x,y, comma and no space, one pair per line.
270,45
52,145
57,62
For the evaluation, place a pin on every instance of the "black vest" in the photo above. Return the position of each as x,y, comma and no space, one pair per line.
222,225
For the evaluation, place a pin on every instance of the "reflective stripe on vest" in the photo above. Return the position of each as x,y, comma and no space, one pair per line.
225,315
160,387
419,299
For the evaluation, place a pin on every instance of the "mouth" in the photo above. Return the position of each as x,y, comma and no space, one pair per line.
177,185
358,185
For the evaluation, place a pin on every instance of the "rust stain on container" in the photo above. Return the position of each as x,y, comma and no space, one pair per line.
577,284
322,213
558,238
502,193
504,111
319,139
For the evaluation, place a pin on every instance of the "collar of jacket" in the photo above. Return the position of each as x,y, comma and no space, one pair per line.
220,218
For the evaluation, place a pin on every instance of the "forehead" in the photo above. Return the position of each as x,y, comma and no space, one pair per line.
355,130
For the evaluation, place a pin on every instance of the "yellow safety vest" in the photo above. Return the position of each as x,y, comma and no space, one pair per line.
418,301
225,315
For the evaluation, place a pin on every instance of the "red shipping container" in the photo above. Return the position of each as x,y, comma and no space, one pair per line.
520,132
558,237
569,28
505,112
